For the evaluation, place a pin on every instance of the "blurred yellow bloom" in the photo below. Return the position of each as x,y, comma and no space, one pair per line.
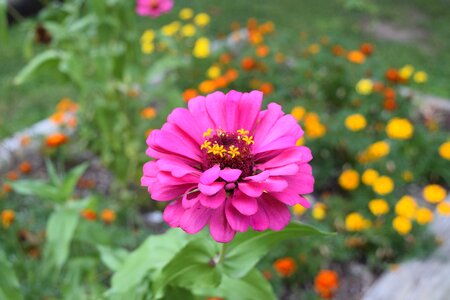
443,208
201,48
186,13
314,48
148,36
319,211
298,210
171,29
349,180
298,112
356,222
202,19
147,48
407,176
406,207
383,185
444,150
399,128
188,30
434,193
378,150
355,122
364,86
378,207
424,216
300,141
406,71
7,217
402,225
213,72
420,77
313,127
369,176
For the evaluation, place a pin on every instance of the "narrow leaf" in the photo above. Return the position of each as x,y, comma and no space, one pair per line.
9,285
37,62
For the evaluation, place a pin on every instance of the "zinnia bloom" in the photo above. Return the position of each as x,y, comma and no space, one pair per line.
326,283
225,163
285,266
153,8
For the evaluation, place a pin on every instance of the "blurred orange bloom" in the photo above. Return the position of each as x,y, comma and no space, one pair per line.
56,139
326,283
189,94
66,104
366,49
285,266
7,217
225,58
262,51
390,104
57,117
206,86
25,167
248,63
392,75
267,27
356,57
338,50
231,74
148,113
25,140
89,214
266,88
6,188
12,175
108,216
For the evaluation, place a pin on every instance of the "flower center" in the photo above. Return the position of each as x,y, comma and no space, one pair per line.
154,4
229,150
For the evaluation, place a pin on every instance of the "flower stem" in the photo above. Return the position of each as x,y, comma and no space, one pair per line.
222,253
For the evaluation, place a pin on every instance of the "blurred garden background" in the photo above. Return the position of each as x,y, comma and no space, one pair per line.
366,80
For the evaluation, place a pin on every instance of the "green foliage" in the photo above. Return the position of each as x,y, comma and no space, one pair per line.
9,285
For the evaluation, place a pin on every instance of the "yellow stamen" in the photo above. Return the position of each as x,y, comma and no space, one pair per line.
248,139
218,150
207,132
205,145
234,151
242,131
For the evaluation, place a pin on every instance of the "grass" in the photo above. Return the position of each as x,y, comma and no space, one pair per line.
21,106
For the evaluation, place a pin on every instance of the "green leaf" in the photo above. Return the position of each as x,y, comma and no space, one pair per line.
3,20
192,268
37,62
70,181
245,251
152,255
251,286
37,188
60,231
54,178
9,285
112,258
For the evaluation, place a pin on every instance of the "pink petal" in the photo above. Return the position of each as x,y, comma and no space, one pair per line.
277,213
183,119
176,167
233,99
190,198
289,156
290,169
252,189
258,177
267,121
173,213
279,144
164,192
302,183
244,204
213,201
275,184
216,106
291,198
210,175
259,221
195,218
219,228
230,175
211,189
249,107
197,107
236,220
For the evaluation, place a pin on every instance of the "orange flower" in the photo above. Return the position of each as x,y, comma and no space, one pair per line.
148,113
262,51
12,175
66,104
84,183
25,167
285,266
255,37
25,140
266,88
392,75
72,122
252,23
389,93
366,49
56,139
6,188
248,63
108,216
189,94
326,283
231,75
338,50
267,27
7,217
378,87
390,104
57,117
206,86
221,82
356,57
225,58
89,214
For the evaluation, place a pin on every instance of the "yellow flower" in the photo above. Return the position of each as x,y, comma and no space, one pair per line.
378,150
148,48
298,210
213,72
7,217
369,176
444,150
349,180
355,122
402,225
171,29
202,19
298,112
420,77
314,48
315,131
407,176
424,216
399,128
406,207
378,207
406,71
188,30
443,208
434,193
356,222
186,13
319,211
300,142
364,86
383,185
201,48
148,36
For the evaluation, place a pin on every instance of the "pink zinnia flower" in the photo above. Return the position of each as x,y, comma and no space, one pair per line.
153,8
225,163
